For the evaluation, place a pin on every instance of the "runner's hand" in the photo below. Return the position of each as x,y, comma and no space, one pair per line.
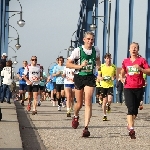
29,82
58,73
84,63
101,78
137,66
122,79
112,78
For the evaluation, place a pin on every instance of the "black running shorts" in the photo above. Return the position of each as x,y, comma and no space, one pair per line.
32,88
106,91
133,96
81,81
98,90
59,87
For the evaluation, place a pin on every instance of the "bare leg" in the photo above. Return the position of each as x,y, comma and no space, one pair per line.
79,99
88,103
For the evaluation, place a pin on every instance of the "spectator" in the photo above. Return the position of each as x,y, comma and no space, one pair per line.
8,75
2,65
119,87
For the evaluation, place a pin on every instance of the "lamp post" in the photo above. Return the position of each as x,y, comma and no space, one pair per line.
93,25
12,49
21,22
17,45
71,48
15,62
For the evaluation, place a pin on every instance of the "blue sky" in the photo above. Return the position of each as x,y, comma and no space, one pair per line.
48,29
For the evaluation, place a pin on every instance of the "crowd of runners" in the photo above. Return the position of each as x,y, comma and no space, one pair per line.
72,85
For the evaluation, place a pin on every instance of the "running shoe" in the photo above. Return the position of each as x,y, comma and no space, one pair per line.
59,108
86,133
108,109
140,107
63,104
29,107
22,103
34,112
68,114
39,103
75,122
100,102
132,134
105,118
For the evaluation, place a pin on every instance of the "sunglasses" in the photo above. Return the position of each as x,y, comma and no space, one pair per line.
34,59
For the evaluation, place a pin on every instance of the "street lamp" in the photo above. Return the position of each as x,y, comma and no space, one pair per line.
93,25
71,48
15,62
21,22
17,45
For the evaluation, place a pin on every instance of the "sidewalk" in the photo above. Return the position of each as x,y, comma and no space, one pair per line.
56,132
9,128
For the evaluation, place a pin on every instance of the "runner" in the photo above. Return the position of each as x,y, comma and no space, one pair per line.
42,87
54,82
68,74
57,72
85,57
33,80
107,76
133,86
22,82
49,88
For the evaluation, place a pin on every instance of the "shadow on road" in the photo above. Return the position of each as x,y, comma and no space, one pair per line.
29,135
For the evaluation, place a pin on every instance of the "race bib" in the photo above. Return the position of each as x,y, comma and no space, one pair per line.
87,68
107,78
132,70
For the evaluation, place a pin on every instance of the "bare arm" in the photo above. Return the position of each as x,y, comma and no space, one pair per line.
71,65
122,72
122,75
146,71
55,74
98,63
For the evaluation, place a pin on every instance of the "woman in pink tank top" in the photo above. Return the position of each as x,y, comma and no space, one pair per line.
133,85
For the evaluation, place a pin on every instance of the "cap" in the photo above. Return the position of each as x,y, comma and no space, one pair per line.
4,54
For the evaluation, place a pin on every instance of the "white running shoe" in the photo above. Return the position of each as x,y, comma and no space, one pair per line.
59,108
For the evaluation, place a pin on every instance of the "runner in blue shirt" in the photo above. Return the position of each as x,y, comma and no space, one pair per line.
22,82
54,82
58,72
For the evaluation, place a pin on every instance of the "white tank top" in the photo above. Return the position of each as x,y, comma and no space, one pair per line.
69,75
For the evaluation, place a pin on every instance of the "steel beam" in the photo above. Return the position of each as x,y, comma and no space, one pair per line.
116,30
147,93
130,31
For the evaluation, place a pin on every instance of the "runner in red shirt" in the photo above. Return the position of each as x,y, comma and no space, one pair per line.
133,85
